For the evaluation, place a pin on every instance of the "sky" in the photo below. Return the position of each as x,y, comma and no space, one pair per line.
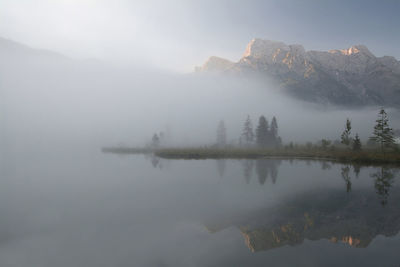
177,35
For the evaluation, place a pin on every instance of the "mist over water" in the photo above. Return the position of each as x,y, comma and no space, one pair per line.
64,203
85,208
75,192
99,104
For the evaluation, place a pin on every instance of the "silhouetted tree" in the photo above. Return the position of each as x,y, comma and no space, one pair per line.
357,143
383,134
262,132
345,137
274,127
221,134
248,134
277,141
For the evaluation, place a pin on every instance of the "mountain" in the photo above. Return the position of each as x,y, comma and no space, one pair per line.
13,52
348,77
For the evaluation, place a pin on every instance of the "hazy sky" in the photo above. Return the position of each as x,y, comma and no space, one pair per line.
180,34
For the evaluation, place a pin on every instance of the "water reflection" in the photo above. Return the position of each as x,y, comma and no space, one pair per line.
325,165
266,168
248,167
356,169
221,166
384,179
262,170
155,161
328,213
346,177
351,212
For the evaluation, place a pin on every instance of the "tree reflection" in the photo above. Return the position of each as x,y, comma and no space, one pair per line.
384,179
155,161
356,169
274,171
319,212
248,166
266,167
325,165
346,177
262,170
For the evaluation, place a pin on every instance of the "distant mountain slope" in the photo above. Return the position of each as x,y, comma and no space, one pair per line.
11,50
352,76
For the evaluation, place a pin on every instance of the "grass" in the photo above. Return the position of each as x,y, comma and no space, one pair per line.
368,157
127,150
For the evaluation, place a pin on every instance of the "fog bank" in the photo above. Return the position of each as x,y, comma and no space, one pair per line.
47,104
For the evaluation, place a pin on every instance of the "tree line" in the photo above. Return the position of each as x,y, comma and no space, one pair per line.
265,135
383,135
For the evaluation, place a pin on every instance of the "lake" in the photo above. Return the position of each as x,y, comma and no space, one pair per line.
87,208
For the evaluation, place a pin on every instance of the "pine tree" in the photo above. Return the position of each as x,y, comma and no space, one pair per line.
274,128
248,134
221,134
345,137
357,143
262,132
383,134
276,140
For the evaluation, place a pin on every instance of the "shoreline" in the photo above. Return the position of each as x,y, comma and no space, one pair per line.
340,155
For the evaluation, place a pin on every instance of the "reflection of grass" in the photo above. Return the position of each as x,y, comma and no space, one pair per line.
341,155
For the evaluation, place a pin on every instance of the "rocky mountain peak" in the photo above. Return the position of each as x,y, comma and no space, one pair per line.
355,49
259,48
343,76
215,64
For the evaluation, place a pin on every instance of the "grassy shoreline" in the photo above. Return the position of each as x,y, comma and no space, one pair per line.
365,157
340,155
127,150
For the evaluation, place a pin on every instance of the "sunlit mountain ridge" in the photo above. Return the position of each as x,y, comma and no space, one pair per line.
348,77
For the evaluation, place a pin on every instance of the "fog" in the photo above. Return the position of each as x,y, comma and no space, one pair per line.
50,100
125,70
80,75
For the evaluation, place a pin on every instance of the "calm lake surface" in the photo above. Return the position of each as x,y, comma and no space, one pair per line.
88,209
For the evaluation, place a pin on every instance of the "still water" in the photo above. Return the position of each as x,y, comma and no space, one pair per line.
93,209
